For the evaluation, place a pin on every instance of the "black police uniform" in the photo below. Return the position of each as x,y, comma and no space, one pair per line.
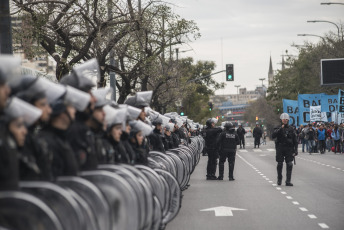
128,148
82,140
176,140
155,141
35,158
257,134
210,143
227,142
168,142
286,148
64,162
9,173
241,133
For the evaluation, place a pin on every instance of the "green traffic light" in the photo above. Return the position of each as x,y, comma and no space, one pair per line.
182,114
209,109
230,77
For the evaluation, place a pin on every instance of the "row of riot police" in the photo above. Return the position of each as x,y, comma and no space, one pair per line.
72,159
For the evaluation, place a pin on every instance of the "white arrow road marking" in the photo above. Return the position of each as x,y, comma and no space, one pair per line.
223,210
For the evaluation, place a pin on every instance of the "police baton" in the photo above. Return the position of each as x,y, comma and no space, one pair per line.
294,161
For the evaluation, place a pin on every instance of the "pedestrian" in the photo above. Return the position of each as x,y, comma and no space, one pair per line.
211,133
336,138
241,133
329,142
311,135
264,138
257,134
286,149
321,136
227,143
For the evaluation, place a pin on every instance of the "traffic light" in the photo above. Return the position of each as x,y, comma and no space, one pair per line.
257,118
223,116
210,106
229,72
181,110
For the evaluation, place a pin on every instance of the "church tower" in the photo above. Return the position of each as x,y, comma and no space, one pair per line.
271,73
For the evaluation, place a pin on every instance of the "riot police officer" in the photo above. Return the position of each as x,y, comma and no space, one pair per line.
210,137
286,148
227,142
241,133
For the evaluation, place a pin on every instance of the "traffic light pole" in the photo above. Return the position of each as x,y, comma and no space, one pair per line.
200,78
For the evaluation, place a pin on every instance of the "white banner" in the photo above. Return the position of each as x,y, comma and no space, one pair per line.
324,117
315,113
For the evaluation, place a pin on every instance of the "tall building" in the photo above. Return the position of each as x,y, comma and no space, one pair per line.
271,73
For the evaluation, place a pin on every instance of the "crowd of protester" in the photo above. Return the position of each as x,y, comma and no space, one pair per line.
321,137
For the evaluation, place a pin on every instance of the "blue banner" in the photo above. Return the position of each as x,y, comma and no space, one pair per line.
304,102
329,103
341,101
292,108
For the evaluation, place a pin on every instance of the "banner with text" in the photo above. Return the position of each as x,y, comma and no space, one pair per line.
329,103
305,101
341,101
292,108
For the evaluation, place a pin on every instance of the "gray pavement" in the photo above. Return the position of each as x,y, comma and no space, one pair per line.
316,201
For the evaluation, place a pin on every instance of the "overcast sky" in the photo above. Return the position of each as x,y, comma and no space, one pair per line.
251,30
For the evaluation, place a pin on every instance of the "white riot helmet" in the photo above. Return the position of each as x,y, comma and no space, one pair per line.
284,116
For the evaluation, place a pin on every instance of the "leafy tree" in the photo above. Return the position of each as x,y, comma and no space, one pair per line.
303,74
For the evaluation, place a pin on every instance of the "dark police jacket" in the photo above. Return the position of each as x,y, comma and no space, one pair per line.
210,137
241,132
257,132
82,140
155,141
35,158
9,173
286,137
228,141
64,162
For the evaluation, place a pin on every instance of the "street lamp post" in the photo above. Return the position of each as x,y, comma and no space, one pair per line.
314,21
262,79
312,35
237,86
331,3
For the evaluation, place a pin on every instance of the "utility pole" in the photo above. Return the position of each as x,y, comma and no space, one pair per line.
112,58
237,86
5,28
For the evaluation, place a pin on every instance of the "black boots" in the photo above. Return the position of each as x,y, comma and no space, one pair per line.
279,173
231,169
289,171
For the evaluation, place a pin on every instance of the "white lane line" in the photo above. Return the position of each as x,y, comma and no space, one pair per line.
274,185
289,197
323,225
303,209
278,188
312,216
284,193
339,168
296,203
271,181
267,179
243,151
257,150
271,150
264,176
333,167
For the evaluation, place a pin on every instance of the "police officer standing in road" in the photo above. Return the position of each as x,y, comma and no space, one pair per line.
257,134
210,137
241,133
227,142
286,148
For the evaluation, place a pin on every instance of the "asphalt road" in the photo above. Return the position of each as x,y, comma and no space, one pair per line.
316,201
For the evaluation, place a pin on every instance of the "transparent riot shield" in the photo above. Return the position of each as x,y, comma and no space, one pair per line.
93,196
120,195
22,211
60,201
